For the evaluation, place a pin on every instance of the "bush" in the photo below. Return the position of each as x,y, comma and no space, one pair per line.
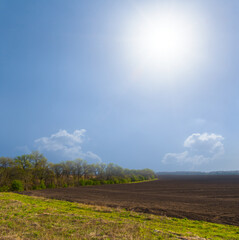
17,185
103,182
124,180
88,182
96,182
51,185
116,181
110,181
82,182
142,178
42,185
133,178
4,189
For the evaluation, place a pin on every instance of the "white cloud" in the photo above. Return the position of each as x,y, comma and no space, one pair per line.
66,144
200,148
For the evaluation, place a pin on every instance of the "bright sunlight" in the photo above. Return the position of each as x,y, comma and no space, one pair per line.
166,41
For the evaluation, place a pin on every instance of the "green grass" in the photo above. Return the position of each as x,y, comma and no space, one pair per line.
24,217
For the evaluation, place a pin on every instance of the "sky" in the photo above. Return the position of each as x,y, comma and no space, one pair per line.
142,84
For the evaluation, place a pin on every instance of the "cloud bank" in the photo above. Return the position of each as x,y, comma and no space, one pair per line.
199,149
66,145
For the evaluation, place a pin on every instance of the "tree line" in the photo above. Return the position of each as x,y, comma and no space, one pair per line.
33,171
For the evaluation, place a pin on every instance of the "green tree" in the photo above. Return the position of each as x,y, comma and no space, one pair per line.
6,165
23,162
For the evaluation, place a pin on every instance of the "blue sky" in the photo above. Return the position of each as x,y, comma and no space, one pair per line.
75,81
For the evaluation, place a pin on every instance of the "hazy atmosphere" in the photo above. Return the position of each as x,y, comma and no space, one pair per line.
142,84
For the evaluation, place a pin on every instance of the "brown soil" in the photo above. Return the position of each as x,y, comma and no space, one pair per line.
207,198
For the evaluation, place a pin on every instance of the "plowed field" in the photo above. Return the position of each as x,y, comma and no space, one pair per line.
207,198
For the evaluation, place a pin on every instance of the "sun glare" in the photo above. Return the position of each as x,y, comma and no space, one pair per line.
165,41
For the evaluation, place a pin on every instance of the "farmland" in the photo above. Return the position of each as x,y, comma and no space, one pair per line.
205,198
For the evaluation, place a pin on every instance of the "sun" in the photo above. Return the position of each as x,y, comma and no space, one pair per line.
165,41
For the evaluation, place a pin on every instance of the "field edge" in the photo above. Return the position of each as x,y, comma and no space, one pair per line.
28,217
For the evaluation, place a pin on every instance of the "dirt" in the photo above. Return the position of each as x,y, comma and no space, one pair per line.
208,198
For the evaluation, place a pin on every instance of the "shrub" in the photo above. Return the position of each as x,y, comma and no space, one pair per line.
110,182
89,182
142,178
82,182
133,178
4,189
103,182
124,180
17,185
96,182
51,185
42,185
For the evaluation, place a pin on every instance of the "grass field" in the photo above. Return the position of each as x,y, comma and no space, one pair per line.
25,217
